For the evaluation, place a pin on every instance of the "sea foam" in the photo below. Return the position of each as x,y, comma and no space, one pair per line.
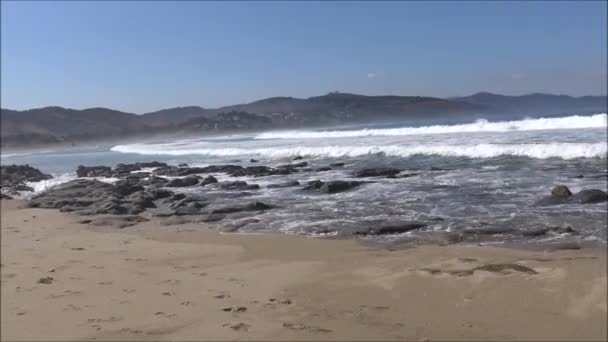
481,125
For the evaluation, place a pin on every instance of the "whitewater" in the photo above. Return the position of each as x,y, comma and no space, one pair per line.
534,138
469,174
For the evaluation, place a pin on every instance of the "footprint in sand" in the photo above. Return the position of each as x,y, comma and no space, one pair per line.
128,290
238,326
162,314
169,282
66,293
105,283
72,307
302,327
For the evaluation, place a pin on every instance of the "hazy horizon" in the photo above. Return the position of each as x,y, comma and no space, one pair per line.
157,55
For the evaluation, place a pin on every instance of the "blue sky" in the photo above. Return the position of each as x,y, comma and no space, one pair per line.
144,56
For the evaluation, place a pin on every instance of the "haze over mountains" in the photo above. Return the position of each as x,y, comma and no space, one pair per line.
56,125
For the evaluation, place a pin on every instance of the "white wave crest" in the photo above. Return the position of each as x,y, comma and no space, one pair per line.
541,151
481,125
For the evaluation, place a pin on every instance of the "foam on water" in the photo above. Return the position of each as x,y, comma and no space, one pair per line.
542,151
481,125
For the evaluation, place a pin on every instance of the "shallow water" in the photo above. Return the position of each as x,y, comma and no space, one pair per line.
476,174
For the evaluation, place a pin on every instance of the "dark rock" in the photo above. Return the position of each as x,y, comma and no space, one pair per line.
125,168
93,171
141,199
10,174
376,172
238,185
182,165
5,196
157,193
321,169
284,184
407,175
253,160
338,186
393,228
489,231
208,180
591,196
157,181
183,182
77,192
336,164
331,187
561,191
174,171
126,187
298,158
211,218
254,206
153,164
544,230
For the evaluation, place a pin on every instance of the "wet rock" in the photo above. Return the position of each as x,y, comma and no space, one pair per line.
153,164
298,158
211,218
208,180
125,168
392,228
253,160
183,182
545,230
174,171
591,196
15,176
561,191
80,192
489,231
407,175
237,185
93,171
254,206
284,184
321,169
126,187
376,172
157,181
331,187
338,186
141,199
157,193
336,164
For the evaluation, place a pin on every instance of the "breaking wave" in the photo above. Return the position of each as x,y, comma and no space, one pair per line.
541,151
481,125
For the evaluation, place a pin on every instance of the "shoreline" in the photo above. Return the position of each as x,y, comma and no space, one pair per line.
188,282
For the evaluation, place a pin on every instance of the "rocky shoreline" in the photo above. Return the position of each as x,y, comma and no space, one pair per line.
147,190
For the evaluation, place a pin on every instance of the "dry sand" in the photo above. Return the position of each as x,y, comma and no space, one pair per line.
186,282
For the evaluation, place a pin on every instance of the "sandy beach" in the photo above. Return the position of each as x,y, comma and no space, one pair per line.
67,281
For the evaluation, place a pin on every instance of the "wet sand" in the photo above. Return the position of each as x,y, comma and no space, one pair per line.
67,281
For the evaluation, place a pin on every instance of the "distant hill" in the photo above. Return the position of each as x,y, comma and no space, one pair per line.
51,125
537,103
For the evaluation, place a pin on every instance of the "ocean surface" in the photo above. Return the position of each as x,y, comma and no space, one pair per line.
469,175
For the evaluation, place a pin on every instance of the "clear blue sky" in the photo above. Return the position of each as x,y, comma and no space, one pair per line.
144,56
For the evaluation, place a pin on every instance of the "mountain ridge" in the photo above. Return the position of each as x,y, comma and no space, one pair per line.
54,124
